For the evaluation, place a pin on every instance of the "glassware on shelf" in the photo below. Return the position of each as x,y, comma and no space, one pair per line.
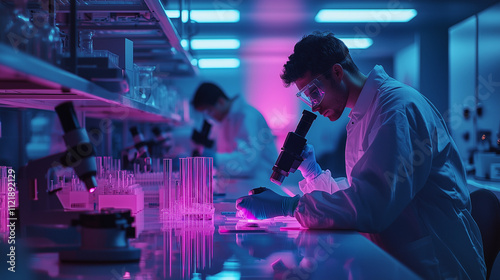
86,42
46,44
155,92
19,31
171,100
112,58
143,82
166,98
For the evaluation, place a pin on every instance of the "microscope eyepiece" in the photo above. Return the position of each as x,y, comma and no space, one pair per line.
66,113
305,123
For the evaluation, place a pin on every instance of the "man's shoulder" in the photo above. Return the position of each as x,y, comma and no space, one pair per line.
393,93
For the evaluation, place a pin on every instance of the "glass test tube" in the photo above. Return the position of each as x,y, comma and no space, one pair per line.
202,172
98,161
124,183
186,178
167,193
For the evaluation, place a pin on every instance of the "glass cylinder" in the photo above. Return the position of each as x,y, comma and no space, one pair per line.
167,197
196,174
202,183
186,183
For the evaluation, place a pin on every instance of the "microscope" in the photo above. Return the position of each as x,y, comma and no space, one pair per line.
141,157
102,236
162,142
290,157
201,138
38,204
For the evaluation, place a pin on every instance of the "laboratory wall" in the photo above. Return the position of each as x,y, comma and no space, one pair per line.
433,49
462,82
407,65
488,74
474,83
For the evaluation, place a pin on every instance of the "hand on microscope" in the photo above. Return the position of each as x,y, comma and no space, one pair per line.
263,203
309,168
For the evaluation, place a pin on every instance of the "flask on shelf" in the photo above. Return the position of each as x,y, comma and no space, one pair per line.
19,31
86,42
143,82
47,44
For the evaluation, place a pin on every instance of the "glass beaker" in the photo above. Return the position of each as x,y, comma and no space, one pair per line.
143,82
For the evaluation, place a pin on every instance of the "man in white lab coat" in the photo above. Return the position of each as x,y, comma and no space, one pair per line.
406,186
245,146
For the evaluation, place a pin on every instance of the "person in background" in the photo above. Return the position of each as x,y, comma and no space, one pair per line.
406,185
244,142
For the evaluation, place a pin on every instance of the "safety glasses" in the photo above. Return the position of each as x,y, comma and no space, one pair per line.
312,94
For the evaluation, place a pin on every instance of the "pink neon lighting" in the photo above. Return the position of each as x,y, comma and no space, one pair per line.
287,191
264,59
91,190
291,13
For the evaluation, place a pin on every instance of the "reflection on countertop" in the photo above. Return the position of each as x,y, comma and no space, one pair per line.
230,248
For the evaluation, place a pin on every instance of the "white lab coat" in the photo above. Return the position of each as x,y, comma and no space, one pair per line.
406,186
245,144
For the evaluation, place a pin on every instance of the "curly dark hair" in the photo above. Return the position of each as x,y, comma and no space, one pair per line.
317,53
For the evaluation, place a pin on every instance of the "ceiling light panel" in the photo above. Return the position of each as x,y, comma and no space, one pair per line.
365,15
207,16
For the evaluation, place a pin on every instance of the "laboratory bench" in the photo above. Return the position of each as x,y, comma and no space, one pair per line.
228,247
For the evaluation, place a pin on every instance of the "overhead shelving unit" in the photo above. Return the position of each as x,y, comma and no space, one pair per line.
28,82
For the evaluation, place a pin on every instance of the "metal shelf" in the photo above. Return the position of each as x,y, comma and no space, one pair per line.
145,22
27,82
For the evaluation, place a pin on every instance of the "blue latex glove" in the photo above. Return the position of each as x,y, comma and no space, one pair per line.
309,168
266,204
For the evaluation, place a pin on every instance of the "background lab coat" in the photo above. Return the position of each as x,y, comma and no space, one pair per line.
420,212
245,144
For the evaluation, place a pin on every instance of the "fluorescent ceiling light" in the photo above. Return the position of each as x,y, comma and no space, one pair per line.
212,44
365,15
218,63
357,43
207,16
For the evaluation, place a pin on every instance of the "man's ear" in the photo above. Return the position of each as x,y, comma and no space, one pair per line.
337,72
221,101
